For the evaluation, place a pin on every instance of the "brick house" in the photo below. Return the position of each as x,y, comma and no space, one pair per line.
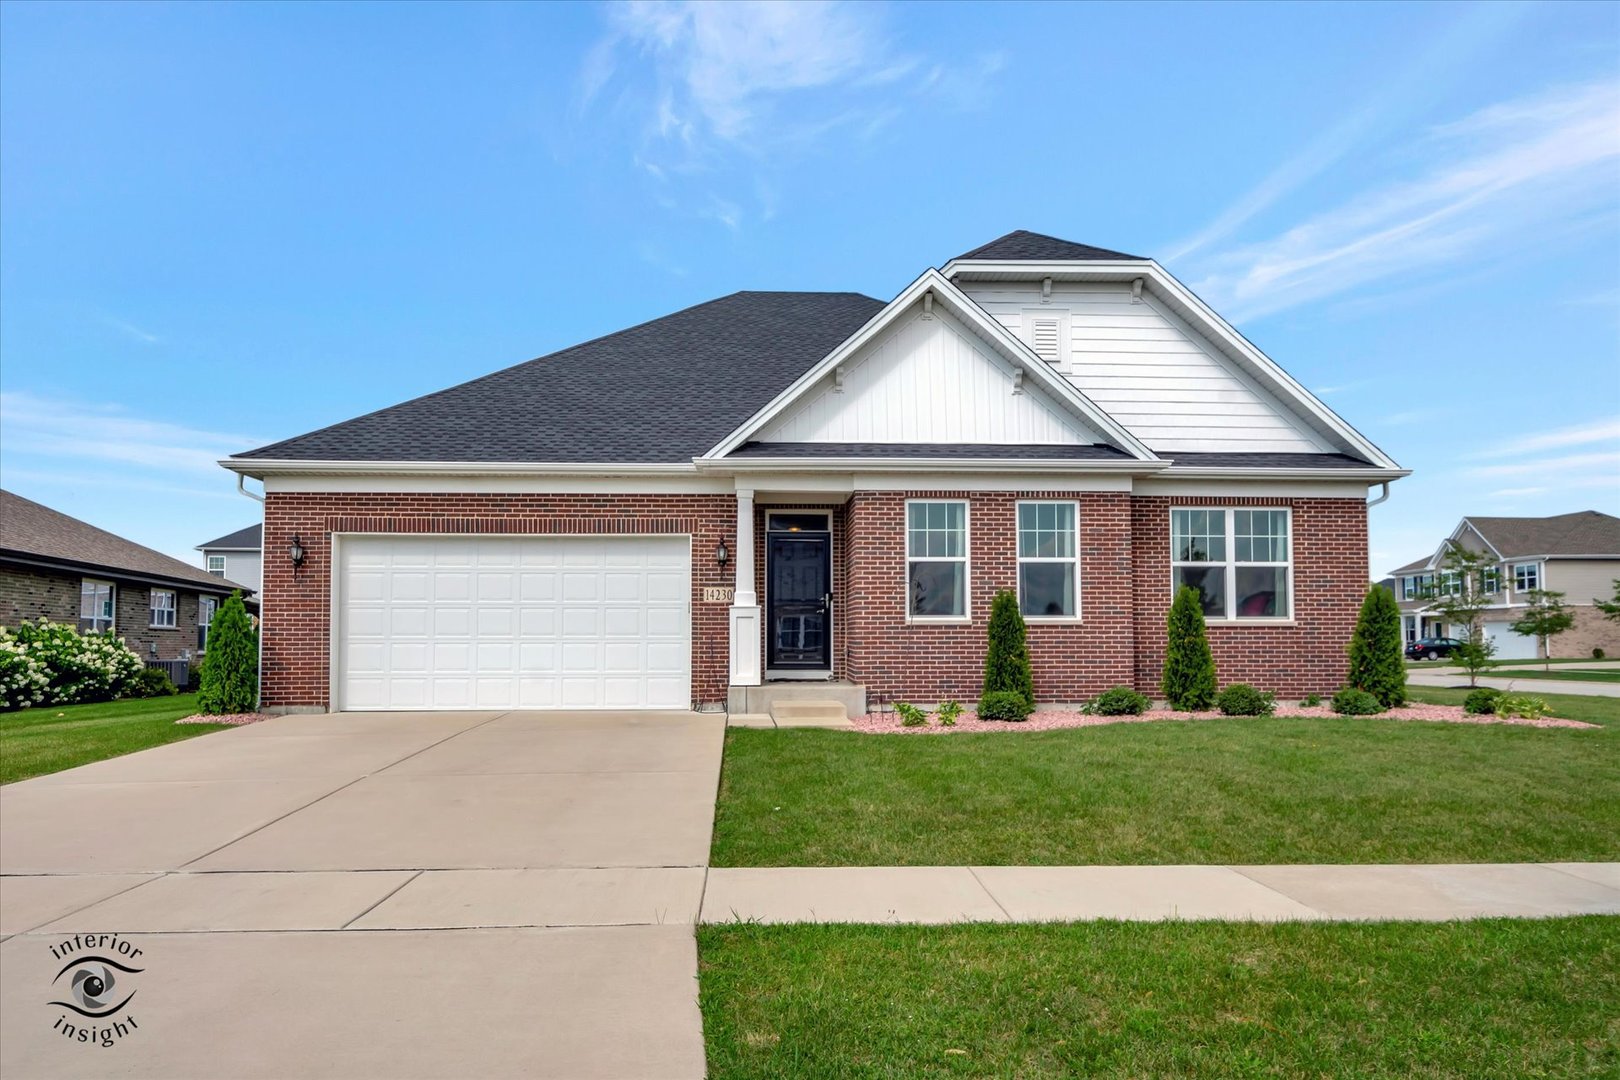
775,489
57,567
1575,554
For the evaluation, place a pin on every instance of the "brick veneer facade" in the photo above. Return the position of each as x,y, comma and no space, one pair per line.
1124,586
1330,581
296,607
31,593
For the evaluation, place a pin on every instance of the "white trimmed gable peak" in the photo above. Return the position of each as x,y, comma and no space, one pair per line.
927,378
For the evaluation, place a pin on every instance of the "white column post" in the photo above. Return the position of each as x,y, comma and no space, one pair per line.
745,617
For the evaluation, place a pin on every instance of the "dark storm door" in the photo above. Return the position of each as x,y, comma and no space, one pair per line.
798,599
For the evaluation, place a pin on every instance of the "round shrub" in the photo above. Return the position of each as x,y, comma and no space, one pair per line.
1481,702
24,678
149,682
1598,653
1119,701
1353,702
1241,699
1311,701
83,667
1004,705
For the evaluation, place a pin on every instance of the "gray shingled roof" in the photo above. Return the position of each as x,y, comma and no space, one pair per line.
1264,460
1416,564
248,539
32,531
1038,247
1585,532
928,450
665,391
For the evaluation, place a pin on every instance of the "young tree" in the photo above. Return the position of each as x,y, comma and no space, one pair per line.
1006,664
1546,618
1376,664
1459,597
1189,666
1610,608
230,667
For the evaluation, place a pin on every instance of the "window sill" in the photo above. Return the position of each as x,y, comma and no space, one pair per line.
155,626
939,620
1053,620
1250,622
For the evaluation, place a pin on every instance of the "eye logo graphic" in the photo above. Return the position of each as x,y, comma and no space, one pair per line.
93,986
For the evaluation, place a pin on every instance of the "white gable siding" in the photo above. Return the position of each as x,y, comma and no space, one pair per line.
929,380
1152,372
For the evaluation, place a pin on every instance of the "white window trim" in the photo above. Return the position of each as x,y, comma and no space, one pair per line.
1535,566
966,561
203,626
1020,560
217,572
112,596
1231,564
1490,587
173,610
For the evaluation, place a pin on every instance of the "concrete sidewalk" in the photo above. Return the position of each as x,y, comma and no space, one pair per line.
943,894
1452,677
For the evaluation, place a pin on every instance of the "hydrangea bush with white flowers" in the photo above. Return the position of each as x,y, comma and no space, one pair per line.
76,667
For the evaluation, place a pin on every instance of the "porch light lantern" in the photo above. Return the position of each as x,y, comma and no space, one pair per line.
295,551
721,553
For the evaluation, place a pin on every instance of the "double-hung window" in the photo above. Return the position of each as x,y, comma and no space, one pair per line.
97,601
205,616
1239,561
1526,576
216,565
1048,560
1490,580
1450,583
937,559
163,609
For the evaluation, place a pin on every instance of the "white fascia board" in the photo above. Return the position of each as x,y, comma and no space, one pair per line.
258,467
925,465
1203,317
987,328
1373,475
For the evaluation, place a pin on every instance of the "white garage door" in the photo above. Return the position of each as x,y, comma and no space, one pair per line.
1510,646
514,623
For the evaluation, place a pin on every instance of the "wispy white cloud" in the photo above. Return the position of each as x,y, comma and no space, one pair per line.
710,87
1476,27
130,330
34,428
1496,175
1568,463
1583,434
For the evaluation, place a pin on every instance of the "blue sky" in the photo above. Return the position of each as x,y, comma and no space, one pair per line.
223,225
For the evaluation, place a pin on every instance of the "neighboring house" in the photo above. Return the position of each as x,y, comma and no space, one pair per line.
778,486
56,567
237,557
1575,554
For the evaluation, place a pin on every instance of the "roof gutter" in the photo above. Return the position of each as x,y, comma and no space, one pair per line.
215,586
932,465
1374,475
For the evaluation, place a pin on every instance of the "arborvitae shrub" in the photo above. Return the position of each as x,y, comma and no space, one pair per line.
1189,667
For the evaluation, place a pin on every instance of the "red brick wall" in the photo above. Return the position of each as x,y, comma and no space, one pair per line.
929,662
1330,581
296,609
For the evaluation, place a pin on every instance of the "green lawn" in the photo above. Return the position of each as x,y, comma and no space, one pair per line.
37,741
1225,791
1573,674
1590,709
1483,999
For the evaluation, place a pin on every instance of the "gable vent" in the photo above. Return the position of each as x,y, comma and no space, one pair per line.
1045,338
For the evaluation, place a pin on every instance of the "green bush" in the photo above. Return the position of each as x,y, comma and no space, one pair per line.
949,712
1480,702
149,682
230,670
1353,702
1119,701
1376,661
1525,707
1189,667
910,715
1004,705
1240,699
1311,701
1006,664
82,667
1598,653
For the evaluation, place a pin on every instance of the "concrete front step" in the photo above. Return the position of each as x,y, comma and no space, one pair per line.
810,714
763,699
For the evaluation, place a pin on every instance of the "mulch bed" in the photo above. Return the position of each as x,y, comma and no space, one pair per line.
889,723
235,719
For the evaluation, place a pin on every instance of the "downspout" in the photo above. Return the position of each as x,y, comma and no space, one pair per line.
258,691
1381,497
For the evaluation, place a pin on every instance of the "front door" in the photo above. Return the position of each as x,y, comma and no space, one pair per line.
798,600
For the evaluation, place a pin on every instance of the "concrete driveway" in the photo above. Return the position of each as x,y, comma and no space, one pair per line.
391,895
